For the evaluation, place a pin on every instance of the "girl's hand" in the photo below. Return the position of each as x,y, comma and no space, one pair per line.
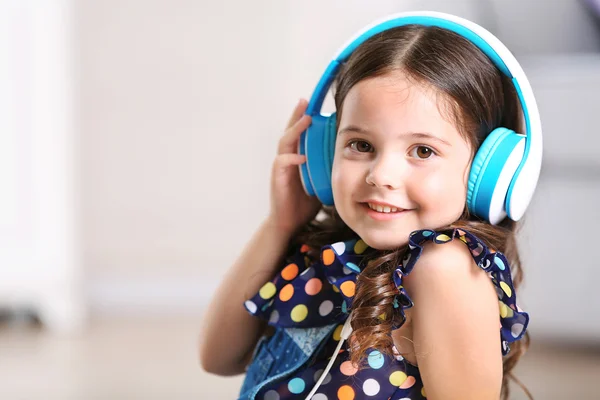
291,207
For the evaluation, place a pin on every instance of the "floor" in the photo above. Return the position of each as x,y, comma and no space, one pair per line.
156,358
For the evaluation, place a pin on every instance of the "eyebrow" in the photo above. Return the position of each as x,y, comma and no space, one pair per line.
420,135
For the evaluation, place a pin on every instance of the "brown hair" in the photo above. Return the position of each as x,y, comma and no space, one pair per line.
477,98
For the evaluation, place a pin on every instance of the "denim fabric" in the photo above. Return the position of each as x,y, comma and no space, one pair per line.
280,355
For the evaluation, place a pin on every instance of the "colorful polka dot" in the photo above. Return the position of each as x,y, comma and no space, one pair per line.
286,292
353,267
408,383
348,369
375,359
325,308
304,249
274,317
299,313
371,387
506,289
503,309
348,288
516,330
397,354
337,333
317,376
423,392
328,256
289,272
498,261
442,238
296,385
339,247
319,396
271,395
397,378
267,291
251,306
360,246
313,286
345,393
509,312
477,251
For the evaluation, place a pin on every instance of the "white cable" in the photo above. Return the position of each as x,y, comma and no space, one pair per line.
346,331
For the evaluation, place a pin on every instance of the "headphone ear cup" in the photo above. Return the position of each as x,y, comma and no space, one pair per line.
329,142
492,170
319,148
303,168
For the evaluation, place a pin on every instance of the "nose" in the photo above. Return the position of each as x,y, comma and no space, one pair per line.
387,171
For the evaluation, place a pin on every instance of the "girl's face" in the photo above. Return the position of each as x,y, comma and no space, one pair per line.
395,149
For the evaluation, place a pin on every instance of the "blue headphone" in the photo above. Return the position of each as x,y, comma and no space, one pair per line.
506,168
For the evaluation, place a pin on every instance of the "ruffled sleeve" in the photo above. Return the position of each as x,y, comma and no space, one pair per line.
311,292
513,321
299,295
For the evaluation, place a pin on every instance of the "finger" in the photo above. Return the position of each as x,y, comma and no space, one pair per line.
289,142
298,112
283,161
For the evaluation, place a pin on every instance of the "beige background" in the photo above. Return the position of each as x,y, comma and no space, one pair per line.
181,106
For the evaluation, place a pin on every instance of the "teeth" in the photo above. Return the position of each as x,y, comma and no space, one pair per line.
383,209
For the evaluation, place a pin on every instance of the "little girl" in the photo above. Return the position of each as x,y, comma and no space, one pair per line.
413,258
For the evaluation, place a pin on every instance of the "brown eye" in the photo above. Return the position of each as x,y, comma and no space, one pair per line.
361,146
423,152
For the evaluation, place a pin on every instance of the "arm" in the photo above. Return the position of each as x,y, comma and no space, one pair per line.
455,325
229,331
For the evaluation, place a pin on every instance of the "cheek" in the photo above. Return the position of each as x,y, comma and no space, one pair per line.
347,178
443,188
338,177
335,174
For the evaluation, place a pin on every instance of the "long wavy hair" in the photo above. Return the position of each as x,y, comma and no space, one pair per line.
477,98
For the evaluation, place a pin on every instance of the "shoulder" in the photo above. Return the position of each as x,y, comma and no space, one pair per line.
443,263
447,274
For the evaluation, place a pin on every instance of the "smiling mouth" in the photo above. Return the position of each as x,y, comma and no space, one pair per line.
383,209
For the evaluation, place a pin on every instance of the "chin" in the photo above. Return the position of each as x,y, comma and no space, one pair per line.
384,241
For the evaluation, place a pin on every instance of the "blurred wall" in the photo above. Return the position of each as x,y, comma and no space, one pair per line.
182,104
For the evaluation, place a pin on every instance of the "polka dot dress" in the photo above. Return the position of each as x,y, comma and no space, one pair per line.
312,293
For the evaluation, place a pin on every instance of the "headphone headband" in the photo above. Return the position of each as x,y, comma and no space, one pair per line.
523,184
